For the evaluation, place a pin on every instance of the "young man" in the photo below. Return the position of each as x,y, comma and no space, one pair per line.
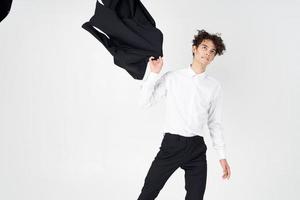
193,99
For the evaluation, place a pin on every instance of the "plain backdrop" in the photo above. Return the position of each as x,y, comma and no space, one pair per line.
71,128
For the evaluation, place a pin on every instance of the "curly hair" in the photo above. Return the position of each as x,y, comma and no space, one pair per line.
215,38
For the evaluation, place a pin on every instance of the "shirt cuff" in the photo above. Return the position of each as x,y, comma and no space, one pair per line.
222,154
152,77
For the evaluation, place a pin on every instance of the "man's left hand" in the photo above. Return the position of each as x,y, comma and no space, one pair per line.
226,169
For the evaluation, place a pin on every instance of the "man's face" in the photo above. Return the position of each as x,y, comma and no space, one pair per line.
205,52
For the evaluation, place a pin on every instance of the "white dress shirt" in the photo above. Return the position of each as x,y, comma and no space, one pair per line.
192,100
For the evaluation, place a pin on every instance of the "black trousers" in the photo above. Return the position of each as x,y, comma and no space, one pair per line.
188,153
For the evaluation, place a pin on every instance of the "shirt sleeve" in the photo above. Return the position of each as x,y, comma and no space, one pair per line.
153,88
215,123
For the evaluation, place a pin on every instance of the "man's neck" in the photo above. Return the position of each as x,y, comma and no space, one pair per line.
198,68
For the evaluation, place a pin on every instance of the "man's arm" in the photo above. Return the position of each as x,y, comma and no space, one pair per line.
216,130
215,122
153,88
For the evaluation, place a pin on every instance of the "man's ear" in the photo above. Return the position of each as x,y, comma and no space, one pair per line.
193,48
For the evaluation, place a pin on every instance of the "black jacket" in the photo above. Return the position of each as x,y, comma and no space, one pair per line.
132,34
4,8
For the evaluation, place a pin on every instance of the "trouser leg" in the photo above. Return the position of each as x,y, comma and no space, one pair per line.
163,166
196,173
156,178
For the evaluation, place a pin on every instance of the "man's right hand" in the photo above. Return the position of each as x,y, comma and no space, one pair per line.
155,65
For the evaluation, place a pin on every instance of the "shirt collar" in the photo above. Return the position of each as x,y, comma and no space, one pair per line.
192,73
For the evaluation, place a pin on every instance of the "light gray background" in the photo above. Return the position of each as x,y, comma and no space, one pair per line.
70,127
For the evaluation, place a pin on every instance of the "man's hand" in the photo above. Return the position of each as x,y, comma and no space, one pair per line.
155,65
226,169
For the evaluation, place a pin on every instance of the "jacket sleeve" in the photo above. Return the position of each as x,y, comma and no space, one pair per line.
215,123
153,89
